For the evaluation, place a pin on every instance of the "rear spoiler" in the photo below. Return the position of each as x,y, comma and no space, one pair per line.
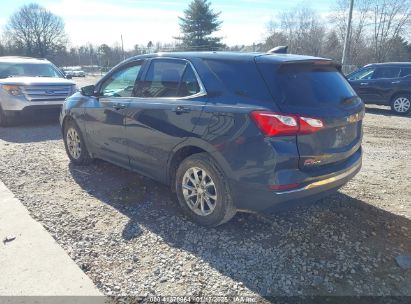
312,62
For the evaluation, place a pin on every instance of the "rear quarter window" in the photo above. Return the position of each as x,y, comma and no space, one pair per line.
405,72
240,78
386,72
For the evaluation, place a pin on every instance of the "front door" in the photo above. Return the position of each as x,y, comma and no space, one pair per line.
360,81
105,119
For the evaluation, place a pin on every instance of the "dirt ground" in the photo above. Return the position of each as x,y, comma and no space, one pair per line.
127,233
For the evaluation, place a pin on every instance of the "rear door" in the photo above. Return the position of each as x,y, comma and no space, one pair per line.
317,89
382,84
405,72
167,105
404,82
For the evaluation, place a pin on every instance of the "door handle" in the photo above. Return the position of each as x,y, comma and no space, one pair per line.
394,82
181,110
119,106
364,83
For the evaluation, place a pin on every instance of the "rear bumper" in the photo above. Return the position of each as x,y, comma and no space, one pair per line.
250,198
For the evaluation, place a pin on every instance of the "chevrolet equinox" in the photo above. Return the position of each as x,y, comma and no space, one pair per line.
228,131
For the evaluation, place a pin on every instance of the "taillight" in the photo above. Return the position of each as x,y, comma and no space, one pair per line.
279,124
309,125
274,124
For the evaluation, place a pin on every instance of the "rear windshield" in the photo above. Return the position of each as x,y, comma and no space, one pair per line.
241,78
307,85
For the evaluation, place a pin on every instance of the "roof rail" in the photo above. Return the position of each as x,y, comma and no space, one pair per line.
281,49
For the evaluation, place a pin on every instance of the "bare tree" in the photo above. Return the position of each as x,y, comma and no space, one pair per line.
299,28
358,51
400,51
390,19
332,46
275,36
377,27
36,30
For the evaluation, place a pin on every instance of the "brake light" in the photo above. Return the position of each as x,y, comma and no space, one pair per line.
274,124
279,124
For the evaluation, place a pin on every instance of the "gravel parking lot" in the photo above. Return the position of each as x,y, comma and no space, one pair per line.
127,234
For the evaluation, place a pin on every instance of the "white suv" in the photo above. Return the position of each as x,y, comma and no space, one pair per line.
30,87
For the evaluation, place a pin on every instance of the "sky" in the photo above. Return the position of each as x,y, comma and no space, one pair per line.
141,21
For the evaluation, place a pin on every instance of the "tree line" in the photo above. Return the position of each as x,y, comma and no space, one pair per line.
380,32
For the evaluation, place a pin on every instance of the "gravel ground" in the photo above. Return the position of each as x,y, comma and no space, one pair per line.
127,234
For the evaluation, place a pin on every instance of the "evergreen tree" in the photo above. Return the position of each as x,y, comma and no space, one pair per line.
198,25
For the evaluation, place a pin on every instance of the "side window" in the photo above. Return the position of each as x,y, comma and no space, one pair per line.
386,72
363,74
121,83
163,79
189,85
241,78
405,72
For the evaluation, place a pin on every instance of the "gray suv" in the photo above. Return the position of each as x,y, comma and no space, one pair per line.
31,87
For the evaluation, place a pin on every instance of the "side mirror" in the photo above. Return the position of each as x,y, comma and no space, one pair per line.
88,90
68,76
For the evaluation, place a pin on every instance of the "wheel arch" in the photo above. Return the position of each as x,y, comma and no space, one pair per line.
398,93
66,118
188,148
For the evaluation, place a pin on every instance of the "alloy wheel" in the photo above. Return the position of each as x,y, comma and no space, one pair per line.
73,143
199,191
401,104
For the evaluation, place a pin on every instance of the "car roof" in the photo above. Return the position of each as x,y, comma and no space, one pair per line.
389,64
21,59
237,56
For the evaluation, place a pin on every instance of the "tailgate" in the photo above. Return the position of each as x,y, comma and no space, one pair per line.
317,89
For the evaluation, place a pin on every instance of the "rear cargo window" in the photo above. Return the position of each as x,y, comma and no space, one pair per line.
307,85
241,78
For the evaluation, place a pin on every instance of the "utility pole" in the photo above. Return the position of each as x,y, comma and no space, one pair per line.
347,35
122,47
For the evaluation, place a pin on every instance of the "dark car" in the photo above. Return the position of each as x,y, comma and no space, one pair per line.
384,84
228,131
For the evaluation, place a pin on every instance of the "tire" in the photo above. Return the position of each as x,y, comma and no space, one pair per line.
401,104
3,119
216,199
75,144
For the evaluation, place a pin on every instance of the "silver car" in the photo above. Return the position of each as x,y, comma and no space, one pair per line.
79,73
31,87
